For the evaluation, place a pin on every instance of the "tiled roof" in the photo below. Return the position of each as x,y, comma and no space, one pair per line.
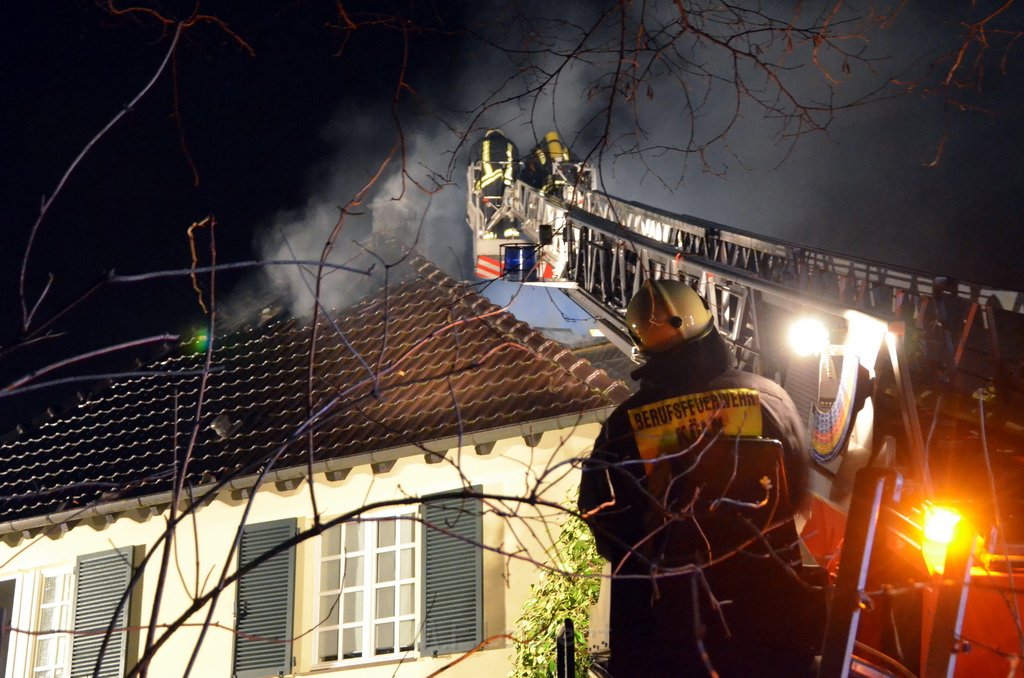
423,360
612,361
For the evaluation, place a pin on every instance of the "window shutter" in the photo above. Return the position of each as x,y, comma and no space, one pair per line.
453,589
264,604
101,580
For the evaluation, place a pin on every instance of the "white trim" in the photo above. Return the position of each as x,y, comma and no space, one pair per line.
64,624
15,652
21,647
21,650
369,525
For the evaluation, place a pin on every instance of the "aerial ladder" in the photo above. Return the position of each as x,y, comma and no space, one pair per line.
941,436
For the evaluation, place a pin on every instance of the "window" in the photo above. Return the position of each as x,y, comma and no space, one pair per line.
409,581
368,589
50,658
80,618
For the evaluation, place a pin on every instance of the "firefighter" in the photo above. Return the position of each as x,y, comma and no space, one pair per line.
743,615
499,160
541,167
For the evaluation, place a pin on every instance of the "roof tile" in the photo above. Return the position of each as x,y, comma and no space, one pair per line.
423,359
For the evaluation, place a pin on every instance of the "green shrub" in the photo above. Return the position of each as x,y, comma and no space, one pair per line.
567,591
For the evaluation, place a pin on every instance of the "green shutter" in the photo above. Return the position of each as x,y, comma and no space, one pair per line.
101,580
264,604
453,588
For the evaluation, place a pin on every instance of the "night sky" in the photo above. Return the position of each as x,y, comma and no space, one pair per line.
256,128
271,143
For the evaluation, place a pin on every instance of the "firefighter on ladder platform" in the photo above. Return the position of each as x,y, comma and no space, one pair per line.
697,594
499,168
543,168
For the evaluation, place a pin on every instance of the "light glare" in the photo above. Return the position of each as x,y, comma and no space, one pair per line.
808,336
939,526
939,523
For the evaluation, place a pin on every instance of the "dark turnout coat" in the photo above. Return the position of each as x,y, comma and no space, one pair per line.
742,604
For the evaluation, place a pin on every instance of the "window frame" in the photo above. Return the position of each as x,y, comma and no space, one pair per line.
19,615
370,524
64,622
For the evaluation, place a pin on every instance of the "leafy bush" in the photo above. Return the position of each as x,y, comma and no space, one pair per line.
567,591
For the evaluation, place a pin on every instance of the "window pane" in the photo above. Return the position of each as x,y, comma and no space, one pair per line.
353,537
386,566
49,590
407,568
384,642
332,541
386,533
407,602
406,634
47,621
330,575
405,530
328,648
353,607
385,602
353,571
352,643
329,609
46,654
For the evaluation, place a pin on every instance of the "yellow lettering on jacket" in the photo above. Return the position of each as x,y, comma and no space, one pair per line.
669,426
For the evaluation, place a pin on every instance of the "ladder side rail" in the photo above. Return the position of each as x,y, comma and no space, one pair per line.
474,215
944,643
872,488
666,255
880,276
862,286
696,227
717,243
622,276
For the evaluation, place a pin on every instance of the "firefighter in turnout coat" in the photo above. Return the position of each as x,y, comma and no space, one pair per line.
690,596
541,168
499,162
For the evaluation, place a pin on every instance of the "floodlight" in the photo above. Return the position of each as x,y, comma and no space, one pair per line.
808,336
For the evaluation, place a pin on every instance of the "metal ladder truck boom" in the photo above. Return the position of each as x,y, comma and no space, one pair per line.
944,426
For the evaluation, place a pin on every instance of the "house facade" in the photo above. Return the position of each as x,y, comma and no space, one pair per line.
372,497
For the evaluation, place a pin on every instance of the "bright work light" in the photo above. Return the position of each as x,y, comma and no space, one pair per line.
808,336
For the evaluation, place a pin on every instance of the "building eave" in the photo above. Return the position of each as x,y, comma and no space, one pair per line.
432,451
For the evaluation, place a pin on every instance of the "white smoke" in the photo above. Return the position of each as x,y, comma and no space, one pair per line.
861,187
409,200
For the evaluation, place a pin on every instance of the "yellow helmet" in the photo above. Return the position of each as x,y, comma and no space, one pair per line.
666,313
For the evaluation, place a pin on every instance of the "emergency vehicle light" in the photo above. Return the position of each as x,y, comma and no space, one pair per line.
939,523
939,527
519,262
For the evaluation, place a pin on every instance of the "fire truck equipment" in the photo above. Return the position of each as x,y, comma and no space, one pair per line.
915,396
